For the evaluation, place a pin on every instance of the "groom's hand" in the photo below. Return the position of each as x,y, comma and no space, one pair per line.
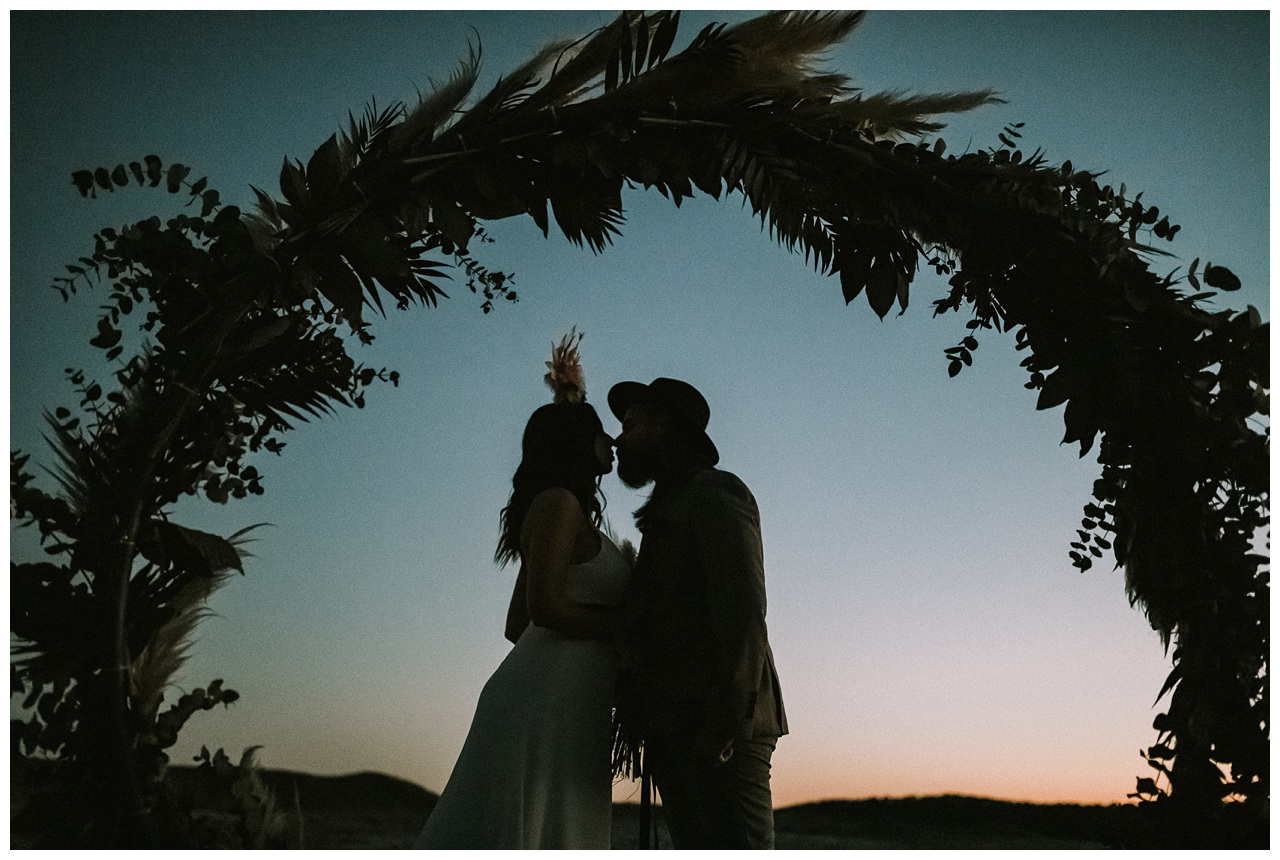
713,752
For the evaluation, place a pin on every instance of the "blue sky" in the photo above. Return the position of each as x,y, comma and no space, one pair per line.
930,632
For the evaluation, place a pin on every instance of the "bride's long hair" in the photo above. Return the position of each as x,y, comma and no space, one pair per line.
558,450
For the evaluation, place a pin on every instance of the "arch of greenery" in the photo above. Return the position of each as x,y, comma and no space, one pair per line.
248,316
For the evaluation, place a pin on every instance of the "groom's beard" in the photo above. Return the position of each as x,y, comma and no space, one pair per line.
636,469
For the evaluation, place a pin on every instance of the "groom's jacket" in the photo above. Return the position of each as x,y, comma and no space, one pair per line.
702,660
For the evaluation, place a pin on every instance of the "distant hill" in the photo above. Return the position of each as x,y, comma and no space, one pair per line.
926,823
954,821
360,810
373,810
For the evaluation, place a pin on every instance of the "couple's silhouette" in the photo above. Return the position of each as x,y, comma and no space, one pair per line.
675,643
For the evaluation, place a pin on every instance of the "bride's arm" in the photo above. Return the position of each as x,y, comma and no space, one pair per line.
518,609
550,530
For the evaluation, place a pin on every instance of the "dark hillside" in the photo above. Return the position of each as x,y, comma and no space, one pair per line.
961,822
372,810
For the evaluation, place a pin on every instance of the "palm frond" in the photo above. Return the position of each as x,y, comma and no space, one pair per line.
265,225
514,88
581,62
420,124
81,466
291,377
156,666
779,50
744,108
365,135
894,114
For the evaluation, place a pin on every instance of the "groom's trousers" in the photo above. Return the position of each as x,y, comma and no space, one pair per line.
730,806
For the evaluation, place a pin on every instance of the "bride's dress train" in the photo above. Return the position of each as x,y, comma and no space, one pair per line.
535,771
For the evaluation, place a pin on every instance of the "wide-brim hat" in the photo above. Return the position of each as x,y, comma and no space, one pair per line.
672,397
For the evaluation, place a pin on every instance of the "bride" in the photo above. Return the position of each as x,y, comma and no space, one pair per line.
535,771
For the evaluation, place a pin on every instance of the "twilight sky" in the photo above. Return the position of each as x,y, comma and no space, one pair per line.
930,633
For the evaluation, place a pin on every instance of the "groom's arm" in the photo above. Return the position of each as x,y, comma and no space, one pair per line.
726,529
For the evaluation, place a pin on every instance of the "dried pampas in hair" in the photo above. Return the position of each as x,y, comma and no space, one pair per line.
564,370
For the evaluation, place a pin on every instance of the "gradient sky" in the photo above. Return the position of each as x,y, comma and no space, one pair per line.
930,633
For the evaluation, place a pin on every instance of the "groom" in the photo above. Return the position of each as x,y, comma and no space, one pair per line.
702,671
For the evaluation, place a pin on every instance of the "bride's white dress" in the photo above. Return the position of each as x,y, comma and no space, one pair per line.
535,771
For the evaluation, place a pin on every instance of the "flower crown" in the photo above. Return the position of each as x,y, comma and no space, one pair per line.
564,370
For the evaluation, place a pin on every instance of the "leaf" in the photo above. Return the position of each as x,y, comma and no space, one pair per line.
155,170
454,224
371,254
209,202
197,553
83,180
625,51
174,177
324,169
1221,278
1169,683
611,72
108,336
1146,786
642,45
341,287
265,203
538,212
1056,390
293,185
1081,425
663,37
903,293
882,288
853,276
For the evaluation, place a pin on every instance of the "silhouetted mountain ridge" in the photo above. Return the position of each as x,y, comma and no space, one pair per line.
366,809
375,810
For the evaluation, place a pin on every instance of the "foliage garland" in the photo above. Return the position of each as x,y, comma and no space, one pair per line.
247,315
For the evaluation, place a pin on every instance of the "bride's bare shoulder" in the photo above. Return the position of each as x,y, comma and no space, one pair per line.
553,508
555,501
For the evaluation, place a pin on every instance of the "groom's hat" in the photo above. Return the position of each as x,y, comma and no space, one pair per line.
671,397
